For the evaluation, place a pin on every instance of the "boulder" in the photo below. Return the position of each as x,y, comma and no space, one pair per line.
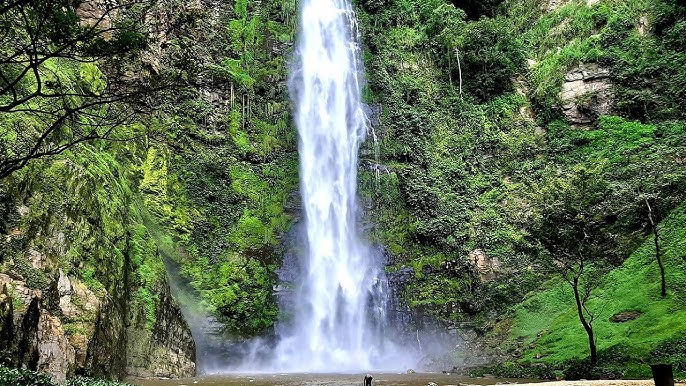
626,316
586,94
487,267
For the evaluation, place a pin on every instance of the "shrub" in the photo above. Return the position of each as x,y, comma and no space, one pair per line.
23,377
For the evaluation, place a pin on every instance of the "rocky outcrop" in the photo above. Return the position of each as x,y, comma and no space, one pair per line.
486,266
643,26
51,321
586,94
97,13
551,5
163,351
67,330
33,335
56,355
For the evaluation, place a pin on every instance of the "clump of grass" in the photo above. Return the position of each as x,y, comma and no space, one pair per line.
24,377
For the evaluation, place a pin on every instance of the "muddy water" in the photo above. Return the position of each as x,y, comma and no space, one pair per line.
327,380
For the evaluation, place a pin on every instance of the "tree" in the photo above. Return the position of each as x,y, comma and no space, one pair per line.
651,186
656,239
571,228
491,56
53,94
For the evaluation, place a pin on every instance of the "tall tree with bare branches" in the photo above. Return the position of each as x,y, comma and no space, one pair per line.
573,233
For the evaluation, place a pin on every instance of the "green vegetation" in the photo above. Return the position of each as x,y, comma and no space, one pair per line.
476,160
202,182
31,378
226,166
453,157
546,324
53,96
481,159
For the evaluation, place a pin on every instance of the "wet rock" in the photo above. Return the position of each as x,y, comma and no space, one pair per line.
375,167
165,351
400,315
373,114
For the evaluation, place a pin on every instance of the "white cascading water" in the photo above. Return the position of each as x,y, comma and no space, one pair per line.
340,306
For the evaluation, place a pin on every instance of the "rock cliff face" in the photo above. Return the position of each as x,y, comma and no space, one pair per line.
62,316
67,329
167,351
83,290
586,94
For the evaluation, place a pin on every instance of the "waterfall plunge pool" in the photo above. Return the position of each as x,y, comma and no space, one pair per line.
416,379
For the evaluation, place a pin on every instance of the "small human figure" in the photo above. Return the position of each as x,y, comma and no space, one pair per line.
368,380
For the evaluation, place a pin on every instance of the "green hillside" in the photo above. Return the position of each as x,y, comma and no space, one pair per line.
547,326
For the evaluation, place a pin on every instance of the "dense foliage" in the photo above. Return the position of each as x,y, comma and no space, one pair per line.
224,166
53,96
203,181
475,160
31,378
480,159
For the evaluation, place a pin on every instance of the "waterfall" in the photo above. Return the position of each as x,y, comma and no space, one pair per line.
339,316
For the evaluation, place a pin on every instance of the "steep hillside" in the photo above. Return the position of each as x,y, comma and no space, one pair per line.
635,326
561,128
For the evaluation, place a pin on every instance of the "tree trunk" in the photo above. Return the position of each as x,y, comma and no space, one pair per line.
658,257
587,326
459,67
663,291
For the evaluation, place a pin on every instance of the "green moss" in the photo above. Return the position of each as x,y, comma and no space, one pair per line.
149,303
88,276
